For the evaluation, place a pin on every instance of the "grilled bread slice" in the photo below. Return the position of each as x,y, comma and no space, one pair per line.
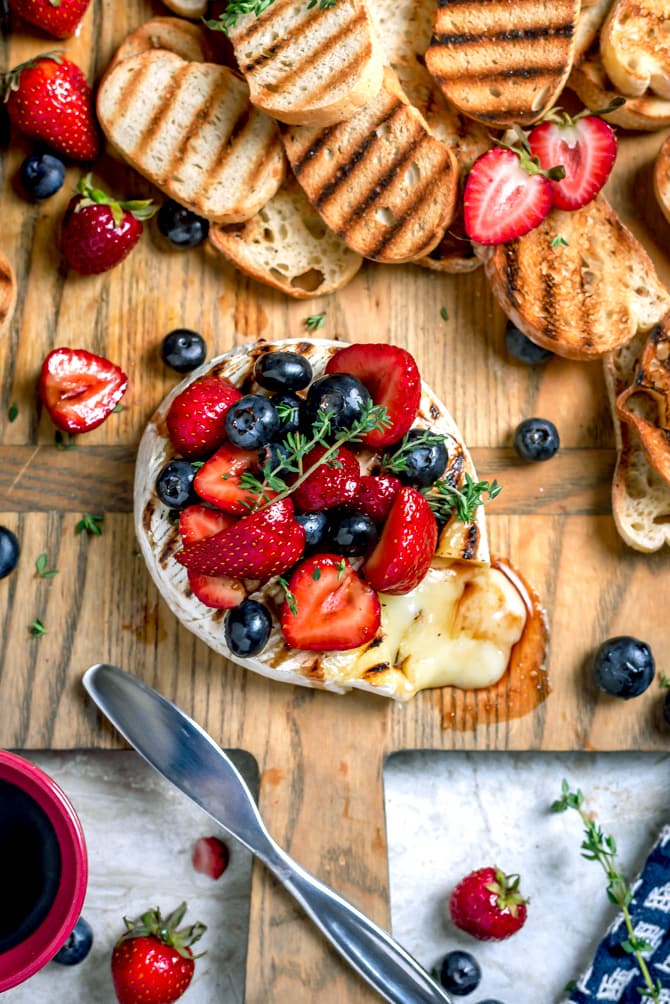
307,64
503,63
589,23
640,497
7,292
187,40
591,84
187,8
645,405
189,128
287,245
380,181
662,178
583,295
635,47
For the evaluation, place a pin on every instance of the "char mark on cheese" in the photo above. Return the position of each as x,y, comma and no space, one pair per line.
471,542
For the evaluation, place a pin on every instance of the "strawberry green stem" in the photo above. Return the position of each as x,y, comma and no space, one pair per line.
141,209
10,81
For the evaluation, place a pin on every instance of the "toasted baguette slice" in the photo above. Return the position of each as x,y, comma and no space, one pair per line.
187,8
380,180
287,245
7,292
591,84
187,40
662,178
589,23
645,405
189,128
640,498
582,299
309,65
502,63
635,47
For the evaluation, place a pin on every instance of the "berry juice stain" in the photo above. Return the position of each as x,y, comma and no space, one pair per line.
31,865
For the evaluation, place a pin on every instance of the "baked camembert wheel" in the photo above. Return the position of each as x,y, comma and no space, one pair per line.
348,549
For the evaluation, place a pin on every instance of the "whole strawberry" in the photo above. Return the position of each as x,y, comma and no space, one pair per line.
153,963
488,904
99,232
57,17
48,98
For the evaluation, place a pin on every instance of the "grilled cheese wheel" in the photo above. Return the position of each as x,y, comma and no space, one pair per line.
635,47
502,62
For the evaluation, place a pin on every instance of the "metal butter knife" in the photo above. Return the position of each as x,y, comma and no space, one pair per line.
184,754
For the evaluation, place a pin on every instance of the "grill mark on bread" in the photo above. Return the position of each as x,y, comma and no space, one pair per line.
488,39
313,149
550,70
162,111
511,271
225,145
383,183
132,84
260,23
349,69
270,51
195,125
549,327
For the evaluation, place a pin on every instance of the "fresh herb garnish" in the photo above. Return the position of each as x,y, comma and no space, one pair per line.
41,569
444,313
664,681
37,628
559,241
90,524
396,462
445,500
13,411
238,8
341,567
597,846
288,595
118,408
197,464
64,442
315,321
316,574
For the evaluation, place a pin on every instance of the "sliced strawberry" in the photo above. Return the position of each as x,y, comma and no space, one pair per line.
406,546
218,480
392,377
334,482
375,496
210,857
332,609
199,521
258,546
79,389
196,420
502,200
585,147
219,591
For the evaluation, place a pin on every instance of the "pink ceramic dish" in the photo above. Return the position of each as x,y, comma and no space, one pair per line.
23,960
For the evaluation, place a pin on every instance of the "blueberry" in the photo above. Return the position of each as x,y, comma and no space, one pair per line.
272,455
624,666
314,524
520,347
41,175
174,484
423,464
460,973
490,1000
183,350
290,409
180,226
9,551
77,946
283,371
247,628
536,439
351,532
342,396
252,422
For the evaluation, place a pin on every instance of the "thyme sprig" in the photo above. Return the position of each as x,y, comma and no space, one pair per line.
41,570
238,8
598,846
396,462
291,601
445,499
272,486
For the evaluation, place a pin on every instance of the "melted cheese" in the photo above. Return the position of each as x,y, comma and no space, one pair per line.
457,628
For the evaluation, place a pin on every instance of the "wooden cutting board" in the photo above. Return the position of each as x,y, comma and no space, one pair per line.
320,756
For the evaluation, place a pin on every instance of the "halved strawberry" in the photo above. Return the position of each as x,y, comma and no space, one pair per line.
196,420
392,377
218,480
334,482
375,496
258,546
586,146
222,592
332,608
199,521
406,546
79,389
504,197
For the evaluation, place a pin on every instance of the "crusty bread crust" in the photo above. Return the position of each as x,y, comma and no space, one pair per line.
635,47
187,40
640,498
189,128
580,299
7,292
288,246
662,178
308,65
591,84
380,181
503,63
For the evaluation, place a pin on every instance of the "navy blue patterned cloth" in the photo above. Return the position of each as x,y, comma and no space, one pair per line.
614,975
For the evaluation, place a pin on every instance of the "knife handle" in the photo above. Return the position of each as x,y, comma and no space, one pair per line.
373,953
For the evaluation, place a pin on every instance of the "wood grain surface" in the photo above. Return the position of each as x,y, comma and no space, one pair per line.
321,756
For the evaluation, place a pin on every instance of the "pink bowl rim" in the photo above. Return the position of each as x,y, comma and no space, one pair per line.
24,960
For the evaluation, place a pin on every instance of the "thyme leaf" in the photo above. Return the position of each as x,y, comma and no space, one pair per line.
238,8
41,569
90,524
315,321
291,601
37,628
446,500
